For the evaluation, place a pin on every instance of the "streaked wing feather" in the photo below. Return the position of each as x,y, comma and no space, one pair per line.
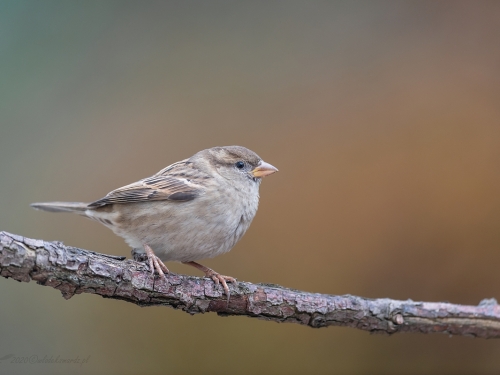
177,182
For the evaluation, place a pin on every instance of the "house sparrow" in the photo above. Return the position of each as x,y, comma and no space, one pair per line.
193,209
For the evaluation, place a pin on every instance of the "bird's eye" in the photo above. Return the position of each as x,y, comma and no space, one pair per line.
240,165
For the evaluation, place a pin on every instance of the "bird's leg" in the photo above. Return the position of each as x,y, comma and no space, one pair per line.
155,263
216,277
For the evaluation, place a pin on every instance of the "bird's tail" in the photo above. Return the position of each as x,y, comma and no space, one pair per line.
76,207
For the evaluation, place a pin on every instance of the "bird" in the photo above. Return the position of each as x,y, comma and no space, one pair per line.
193,209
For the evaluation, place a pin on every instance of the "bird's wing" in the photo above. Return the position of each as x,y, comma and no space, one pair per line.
178,182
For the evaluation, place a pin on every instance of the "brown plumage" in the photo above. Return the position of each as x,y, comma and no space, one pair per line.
193,209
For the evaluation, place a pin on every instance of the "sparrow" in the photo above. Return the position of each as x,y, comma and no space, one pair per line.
197,208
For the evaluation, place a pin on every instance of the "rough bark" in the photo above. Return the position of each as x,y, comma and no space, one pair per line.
74,271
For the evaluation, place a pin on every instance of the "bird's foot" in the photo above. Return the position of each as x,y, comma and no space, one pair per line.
218,278
215,276
155,263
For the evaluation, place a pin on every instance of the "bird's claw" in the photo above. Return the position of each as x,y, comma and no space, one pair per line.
215,276
221,279
155,263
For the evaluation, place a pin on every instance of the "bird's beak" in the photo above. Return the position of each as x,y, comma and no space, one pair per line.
263,169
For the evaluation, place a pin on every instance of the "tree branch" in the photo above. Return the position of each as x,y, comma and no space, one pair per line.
74,271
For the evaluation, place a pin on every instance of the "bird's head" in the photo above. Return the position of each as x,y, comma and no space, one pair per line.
238,163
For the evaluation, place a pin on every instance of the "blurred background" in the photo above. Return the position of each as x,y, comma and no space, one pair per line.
382,116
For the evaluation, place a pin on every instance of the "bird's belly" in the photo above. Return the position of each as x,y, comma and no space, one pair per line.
194,231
